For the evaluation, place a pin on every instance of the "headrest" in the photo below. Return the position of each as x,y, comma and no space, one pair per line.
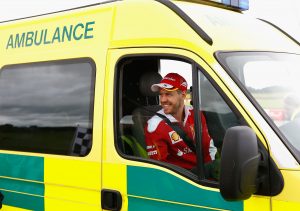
146,81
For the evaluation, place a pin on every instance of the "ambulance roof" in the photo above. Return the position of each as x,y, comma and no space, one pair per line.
230,30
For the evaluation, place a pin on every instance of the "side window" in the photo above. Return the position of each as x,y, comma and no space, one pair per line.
218,118
47,107
138,103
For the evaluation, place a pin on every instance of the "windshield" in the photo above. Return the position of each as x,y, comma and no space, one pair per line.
273,79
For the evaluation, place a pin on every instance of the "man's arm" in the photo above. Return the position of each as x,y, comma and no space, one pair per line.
156,147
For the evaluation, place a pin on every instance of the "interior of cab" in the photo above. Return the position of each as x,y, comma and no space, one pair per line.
137,102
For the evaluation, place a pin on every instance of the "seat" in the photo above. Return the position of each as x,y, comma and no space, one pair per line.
132,146
141,114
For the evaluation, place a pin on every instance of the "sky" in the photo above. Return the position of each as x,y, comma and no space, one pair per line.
284,13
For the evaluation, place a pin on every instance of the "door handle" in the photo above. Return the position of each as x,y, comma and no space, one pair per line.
111,200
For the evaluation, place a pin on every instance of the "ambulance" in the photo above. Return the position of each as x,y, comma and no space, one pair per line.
75,98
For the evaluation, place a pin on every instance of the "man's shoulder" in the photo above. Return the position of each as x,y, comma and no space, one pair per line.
189,110
153,122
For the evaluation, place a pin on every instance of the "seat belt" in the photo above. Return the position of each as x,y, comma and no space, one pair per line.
180,132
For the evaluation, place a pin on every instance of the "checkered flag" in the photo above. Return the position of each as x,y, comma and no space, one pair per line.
82,143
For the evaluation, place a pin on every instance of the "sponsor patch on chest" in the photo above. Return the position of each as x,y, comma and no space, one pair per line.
175,138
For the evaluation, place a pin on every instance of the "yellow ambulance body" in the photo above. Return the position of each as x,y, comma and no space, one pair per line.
67,85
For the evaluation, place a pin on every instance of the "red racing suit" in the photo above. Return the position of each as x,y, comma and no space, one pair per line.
164,144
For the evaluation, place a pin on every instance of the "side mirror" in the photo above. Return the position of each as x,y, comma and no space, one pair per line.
239,163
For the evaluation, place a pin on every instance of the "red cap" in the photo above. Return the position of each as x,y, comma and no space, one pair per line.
171,82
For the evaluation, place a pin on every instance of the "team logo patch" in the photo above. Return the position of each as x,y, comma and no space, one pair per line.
175,138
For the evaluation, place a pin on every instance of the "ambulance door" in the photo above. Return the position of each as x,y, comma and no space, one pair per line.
133,181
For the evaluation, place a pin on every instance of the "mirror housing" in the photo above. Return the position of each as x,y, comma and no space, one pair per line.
239,163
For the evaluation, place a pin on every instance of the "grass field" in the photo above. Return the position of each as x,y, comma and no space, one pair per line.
270,100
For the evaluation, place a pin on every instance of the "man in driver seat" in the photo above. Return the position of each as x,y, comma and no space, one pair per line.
162,140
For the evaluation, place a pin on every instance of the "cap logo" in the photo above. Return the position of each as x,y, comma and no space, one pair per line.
171,82
171,79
